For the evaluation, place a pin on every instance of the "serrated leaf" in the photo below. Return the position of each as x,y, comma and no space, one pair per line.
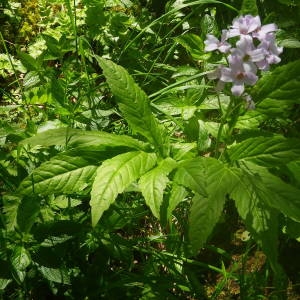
282,85
10,209
20,258
55,275
177,195
135,105
28,61
76,137
61,174
275,192
153,184
211,181
114,175
206,210
194,45
266,151
260,219
28,210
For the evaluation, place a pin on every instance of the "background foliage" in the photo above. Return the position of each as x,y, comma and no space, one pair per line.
123,175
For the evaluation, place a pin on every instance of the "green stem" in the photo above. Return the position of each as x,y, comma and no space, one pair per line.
231,116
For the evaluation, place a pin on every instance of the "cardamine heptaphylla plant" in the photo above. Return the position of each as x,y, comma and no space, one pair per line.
255,49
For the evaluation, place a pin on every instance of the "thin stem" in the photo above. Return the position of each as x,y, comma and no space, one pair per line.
233,111
11,63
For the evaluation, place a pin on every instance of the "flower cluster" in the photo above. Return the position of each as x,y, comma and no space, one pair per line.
255,50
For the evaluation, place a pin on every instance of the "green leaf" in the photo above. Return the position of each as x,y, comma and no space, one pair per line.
249,7
114,175
153,184
211,181
28,210
20,258
55,275
266,151
281,85
194,45
62,174
76,137
275,192
28,61
135,106
260,219
177,195
10,209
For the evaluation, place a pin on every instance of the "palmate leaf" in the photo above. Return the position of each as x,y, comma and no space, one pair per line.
211,181
266,151
114,175
153,184
135,106
61,174
82,138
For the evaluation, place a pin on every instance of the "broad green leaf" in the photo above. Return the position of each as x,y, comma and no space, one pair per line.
28,210
289,42
190,175
275,192
294,169
293,229
20,258
10,209
61,174
114,175
194,45
55,275
260,219
211,181
135,105
28,61
281,85
266,151
153,184
77,137
178,194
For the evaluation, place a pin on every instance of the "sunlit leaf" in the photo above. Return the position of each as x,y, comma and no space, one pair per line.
266,151
61,174
211,181
135,105
114,175
77,137
55,275
153,184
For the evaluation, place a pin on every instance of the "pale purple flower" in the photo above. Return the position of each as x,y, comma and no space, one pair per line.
212,43
239,73
246,57
271,52
262,32
246,50
244,25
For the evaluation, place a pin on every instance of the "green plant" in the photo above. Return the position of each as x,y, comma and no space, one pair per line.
114,176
